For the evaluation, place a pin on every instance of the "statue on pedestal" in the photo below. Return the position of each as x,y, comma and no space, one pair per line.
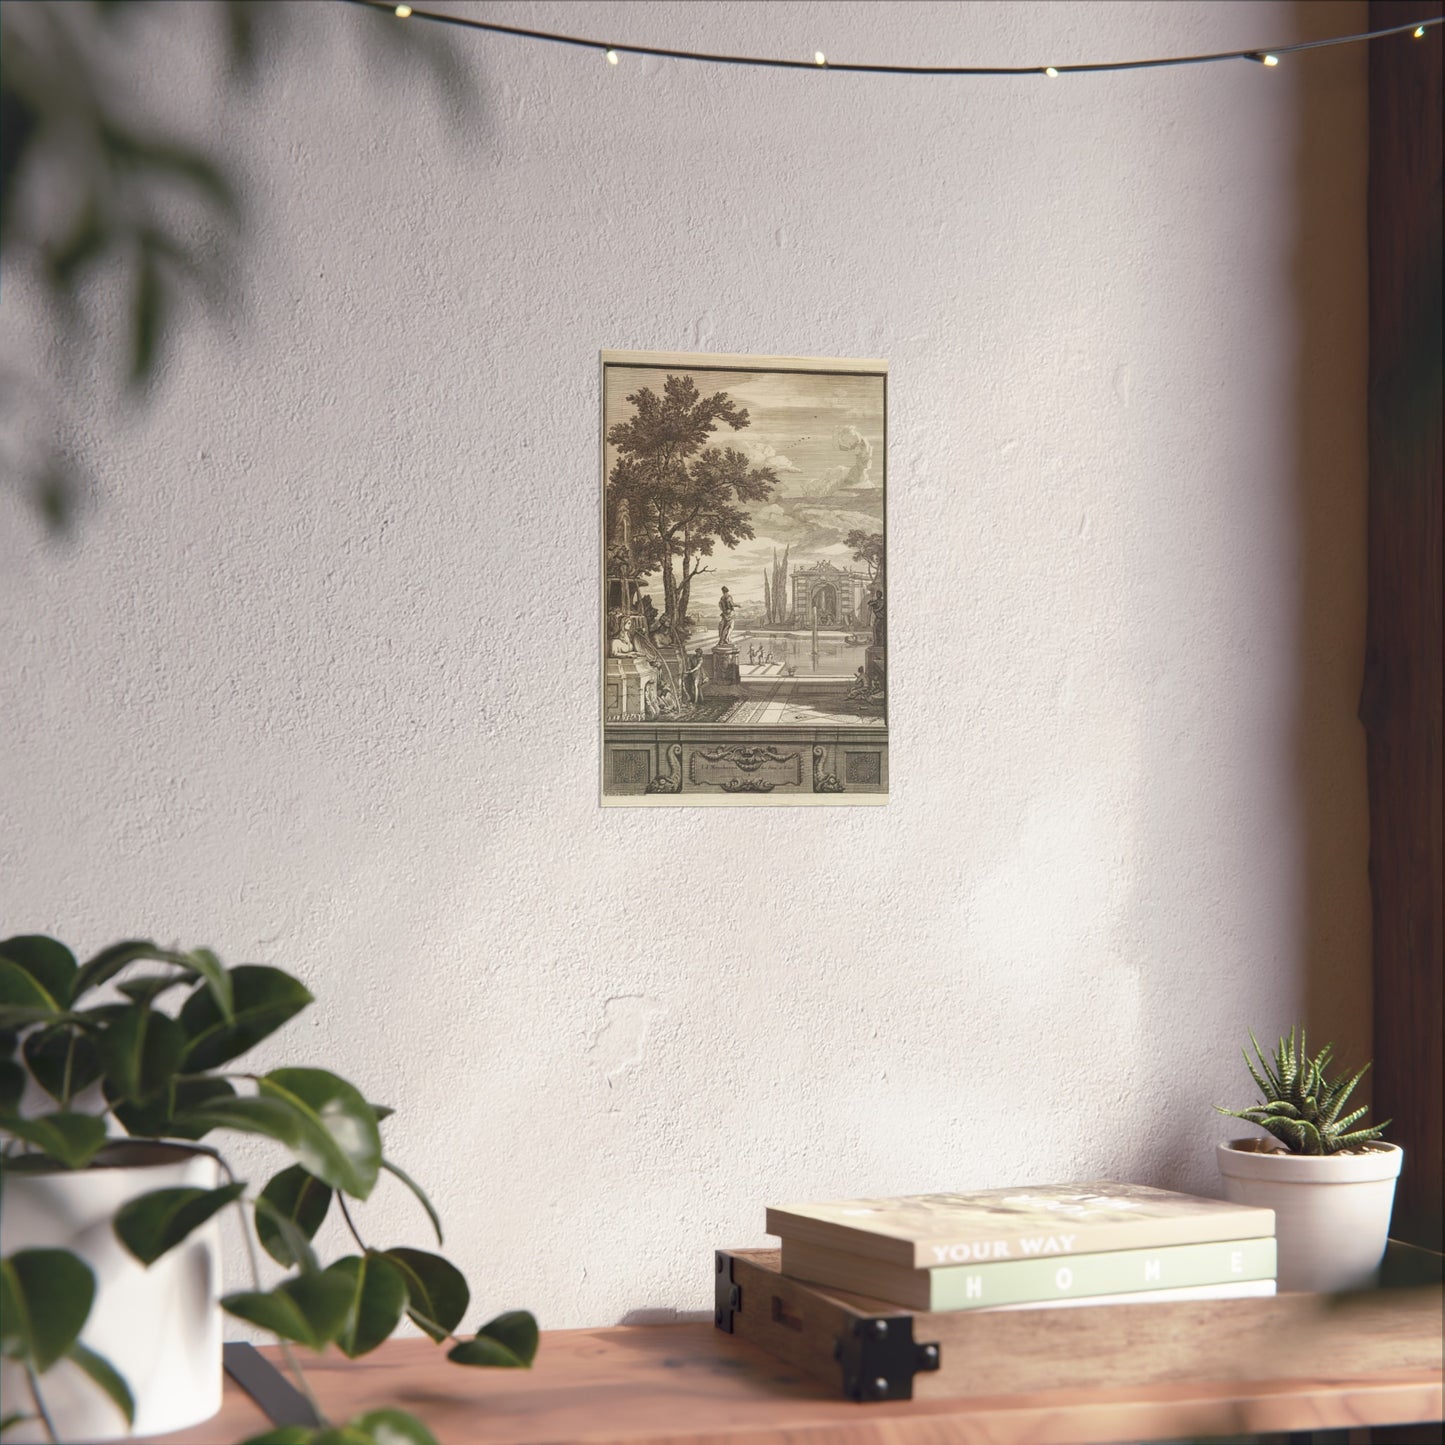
878,608
726,607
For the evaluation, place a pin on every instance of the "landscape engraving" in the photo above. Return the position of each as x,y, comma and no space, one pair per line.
744,603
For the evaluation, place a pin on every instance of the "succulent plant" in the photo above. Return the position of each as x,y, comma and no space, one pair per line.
1301,1108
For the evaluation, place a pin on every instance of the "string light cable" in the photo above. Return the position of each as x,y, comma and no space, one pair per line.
612,50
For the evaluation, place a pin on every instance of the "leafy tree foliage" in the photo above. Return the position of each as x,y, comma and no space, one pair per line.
681,497
867,548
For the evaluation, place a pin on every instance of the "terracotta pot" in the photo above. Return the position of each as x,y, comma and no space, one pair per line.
160,1327
1331,1211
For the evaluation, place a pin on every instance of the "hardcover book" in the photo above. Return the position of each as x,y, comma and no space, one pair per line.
1031,1281
925,1231
1247,1289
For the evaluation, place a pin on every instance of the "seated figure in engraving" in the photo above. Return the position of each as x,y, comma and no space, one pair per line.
619,628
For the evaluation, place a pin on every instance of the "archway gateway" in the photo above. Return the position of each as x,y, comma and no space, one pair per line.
825,606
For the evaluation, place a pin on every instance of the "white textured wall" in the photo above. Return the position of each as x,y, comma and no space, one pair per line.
314,683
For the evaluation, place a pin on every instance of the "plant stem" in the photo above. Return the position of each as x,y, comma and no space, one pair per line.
346,1215
69,1064
291,1361
39,1403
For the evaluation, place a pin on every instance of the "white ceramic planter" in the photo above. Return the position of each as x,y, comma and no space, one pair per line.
1331,1212
160,1327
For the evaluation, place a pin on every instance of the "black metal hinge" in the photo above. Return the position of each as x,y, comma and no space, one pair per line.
727,1296
880,1358
280,1401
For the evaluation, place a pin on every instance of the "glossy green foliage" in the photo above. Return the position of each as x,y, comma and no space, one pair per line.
153,1224
153,1034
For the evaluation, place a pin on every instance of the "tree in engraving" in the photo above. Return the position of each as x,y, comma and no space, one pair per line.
682,496
867,548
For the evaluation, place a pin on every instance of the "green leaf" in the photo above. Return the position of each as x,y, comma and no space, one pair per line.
437,1293
14,1323
164,1116
141,1051
109,962
310,1310
341,1435
52,1054
11,1421
507,1342
378,1296
295,1243
340,1143
148,989
269,1117
151,1224
73,1139
210,968
186,1094
284,1435
392,1427
12,1086
416,1189
142,1121
263,999
23,999
50,964
298,1197
334,1137
96,1019
1361,1136
382,1111
104,1374
45,1299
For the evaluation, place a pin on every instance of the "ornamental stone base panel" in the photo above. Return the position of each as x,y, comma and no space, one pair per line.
697,763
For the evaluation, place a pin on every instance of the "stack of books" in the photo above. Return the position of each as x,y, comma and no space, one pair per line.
1031,1247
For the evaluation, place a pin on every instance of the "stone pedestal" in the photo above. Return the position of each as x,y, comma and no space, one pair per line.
724,665
629,685
875,666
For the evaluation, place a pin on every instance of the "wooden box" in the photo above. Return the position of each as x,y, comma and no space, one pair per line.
870,1350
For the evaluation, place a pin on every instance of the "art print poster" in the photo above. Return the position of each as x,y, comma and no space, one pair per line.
744,566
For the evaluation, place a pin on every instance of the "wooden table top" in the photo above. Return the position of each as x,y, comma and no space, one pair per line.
694,1385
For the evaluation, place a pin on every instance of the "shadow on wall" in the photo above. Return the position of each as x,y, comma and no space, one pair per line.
1331,304
92,187
1323,965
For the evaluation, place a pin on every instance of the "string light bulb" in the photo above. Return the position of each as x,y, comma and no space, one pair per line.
612,57
582,42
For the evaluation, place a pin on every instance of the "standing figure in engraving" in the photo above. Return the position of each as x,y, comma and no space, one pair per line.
692,679
877,606
726,607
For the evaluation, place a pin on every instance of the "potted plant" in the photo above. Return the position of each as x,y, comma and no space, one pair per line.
1331,1186
110,1193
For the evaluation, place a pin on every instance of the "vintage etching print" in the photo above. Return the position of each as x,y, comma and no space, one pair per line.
744,603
